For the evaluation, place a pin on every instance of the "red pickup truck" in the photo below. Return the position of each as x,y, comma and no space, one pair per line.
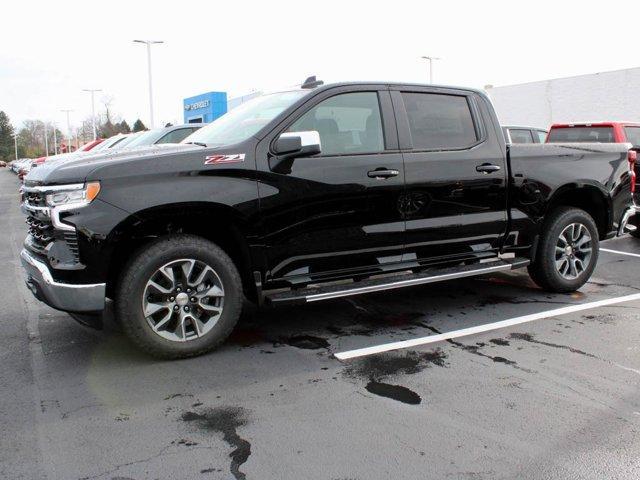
603,132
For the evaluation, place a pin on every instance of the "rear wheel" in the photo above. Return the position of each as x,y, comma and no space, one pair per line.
567,251
179,297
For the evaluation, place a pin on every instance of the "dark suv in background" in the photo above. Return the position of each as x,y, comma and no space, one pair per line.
515,134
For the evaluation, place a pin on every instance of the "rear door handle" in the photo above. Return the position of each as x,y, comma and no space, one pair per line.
383,173
487,168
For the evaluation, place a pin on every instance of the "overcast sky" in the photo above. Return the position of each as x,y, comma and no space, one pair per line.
51,50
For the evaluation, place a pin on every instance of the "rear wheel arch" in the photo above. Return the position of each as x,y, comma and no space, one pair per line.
589,198
228,231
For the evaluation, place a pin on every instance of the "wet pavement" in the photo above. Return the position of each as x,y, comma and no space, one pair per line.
554,398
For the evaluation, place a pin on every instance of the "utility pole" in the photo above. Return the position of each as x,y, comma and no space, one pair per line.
15,141
69,132
55,140
93,108
46,140
148,43
431,60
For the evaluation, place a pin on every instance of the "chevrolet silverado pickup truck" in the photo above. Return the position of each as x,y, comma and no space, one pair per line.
317,193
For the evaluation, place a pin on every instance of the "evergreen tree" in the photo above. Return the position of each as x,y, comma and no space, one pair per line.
124,127
6,138
139,126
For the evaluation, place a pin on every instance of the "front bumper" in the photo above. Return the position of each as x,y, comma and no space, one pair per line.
624,222
61,296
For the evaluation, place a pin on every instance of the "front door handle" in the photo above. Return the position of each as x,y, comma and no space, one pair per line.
487,168
383,173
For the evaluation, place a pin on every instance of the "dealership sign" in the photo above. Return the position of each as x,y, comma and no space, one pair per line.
197,105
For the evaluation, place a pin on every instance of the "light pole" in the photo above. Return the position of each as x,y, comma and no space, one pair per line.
93,108
69,133
46,140
15,141
148,43
55,140
431,60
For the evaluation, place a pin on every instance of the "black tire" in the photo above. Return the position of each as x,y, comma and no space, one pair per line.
143,264
543,270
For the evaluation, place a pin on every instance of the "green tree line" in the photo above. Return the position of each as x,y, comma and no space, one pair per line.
31,136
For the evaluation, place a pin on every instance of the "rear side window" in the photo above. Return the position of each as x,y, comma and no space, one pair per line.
582,134
439,121
633,135
519,135
176,136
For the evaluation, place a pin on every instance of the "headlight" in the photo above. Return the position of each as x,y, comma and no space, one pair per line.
76,197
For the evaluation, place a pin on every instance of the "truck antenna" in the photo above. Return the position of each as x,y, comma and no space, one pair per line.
311,82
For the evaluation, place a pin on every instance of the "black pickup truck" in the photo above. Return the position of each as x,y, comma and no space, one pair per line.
316,193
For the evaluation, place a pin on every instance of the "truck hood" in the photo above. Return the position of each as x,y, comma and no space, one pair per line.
62,171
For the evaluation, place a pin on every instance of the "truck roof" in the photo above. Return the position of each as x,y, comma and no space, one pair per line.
399,84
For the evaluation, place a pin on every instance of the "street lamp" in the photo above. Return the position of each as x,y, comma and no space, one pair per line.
46,140
148,43
15,141
55,139
93,109
69,133
431,60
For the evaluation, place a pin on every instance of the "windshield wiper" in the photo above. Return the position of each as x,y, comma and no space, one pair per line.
200,144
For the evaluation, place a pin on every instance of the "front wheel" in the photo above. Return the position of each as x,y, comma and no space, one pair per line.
635,221
179,297
567,251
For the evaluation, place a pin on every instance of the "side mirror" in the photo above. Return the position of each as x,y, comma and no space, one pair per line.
298,144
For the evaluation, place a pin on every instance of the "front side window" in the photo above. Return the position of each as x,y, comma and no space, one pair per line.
439,121
633,135
519,135
349,123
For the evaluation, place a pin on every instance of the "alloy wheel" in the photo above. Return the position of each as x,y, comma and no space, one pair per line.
183,300
573,251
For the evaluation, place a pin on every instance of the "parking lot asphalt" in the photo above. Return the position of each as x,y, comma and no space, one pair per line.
552,398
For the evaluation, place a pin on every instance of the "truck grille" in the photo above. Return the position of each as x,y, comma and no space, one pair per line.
34,199
41,230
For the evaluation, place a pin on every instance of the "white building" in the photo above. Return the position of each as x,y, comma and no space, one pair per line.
605,96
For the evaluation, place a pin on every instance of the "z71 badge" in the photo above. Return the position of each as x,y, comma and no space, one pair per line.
216,159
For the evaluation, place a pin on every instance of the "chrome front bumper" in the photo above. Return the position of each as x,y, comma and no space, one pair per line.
61,296
624,222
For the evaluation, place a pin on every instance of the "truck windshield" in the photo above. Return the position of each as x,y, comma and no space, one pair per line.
581,134
245,120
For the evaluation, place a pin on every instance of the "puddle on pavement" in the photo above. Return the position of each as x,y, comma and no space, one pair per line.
394,392
225,420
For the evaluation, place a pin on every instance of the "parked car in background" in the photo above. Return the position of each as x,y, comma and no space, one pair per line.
84,149
17,164
515,134
312,194
157,136
604,132
109,142
3,164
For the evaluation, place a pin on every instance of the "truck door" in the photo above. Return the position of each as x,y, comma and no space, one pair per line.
337,212
455,203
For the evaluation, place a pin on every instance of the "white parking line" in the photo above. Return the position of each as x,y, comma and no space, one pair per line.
619,252
362,352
